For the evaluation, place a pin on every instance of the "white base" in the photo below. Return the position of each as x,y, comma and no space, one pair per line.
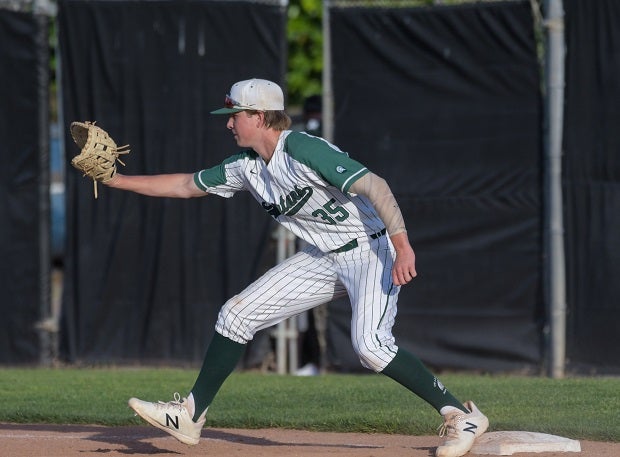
508,443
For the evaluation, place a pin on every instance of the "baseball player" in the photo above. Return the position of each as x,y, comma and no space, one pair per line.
357,246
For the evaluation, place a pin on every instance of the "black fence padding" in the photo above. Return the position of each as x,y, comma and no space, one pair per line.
20,134
592,185
444,103
145,277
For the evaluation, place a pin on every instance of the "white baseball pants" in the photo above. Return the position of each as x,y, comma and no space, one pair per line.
310,278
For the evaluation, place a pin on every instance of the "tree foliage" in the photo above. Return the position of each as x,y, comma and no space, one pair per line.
305,49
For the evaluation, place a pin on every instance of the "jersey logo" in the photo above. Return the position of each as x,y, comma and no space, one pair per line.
291,204
170,420
340,169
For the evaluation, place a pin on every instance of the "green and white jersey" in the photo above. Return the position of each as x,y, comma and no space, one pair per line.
304,187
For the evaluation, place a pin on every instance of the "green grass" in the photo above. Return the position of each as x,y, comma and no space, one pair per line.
578,408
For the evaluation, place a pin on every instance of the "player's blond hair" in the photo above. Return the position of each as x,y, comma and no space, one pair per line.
277,120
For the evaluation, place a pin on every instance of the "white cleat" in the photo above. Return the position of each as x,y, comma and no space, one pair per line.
174,417
460,430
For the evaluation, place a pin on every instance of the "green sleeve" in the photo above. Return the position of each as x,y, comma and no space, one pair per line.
216,176
329,162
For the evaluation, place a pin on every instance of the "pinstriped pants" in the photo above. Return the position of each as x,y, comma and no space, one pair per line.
310,278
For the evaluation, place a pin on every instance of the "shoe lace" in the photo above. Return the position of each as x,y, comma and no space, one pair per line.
450,428
176,403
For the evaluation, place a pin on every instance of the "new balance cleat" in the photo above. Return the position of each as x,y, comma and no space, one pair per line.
460,430
174,417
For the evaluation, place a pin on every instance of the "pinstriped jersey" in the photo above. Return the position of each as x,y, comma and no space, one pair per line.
304,187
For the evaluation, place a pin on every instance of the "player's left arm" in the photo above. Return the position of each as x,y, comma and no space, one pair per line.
384,202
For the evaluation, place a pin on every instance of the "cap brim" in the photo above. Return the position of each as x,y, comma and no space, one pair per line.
227,110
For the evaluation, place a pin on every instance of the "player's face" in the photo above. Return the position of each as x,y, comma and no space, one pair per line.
244,127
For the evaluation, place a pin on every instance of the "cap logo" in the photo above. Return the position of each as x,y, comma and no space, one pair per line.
230,102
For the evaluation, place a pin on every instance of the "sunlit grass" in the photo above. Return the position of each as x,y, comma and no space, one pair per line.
578,408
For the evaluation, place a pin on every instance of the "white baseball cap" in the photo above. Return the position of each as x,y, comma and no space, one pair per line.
253,94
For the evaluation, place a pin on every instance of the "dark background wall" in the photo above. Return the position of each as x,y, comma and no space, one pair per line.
144,277
24,40
449,112
592,184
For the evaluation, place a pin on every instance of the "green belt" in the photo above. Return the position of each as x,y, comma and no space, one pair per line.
353,243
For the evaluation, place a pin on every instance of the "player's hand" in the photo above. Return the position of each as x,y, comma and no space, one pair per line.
403,270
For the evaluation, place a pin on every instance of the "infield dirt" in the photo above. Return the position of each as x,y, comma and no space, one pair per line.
18,440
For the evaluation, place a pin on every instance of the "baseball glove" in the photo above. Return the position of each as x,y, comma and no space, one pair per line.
98,152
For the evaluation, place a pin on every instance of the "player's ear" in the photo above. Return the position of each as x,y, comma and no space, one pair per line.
260,119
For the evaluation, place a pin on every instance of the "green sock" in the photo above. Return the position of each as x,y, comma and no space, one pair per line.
222,357
408,370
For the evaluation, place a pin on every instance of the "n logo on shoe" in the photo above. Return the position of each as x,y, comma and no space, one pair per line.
174,421
471,429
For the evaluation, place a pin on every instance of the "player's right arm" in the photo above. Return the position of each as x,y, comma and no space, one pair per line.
175,185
